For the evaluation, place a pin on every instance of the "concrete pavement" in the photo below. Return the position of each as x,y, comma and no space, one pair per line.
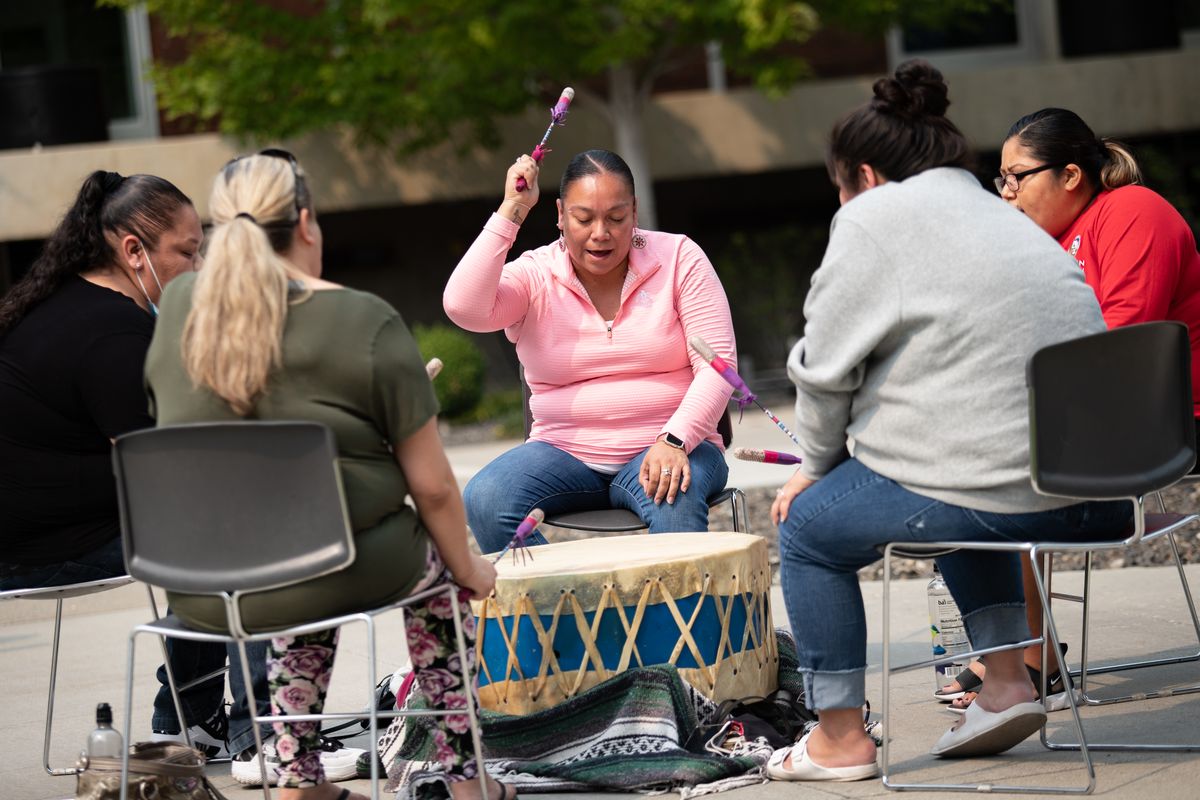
1138,611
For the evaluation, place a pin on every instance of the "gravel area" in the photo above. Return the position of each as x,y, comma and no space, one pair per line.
1178,498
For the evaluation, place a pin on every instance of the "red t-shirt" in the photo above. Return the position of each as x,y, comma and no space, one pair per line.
1140,257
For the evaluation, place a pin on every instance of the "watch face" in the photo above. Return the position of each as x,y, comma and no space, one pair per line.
674,440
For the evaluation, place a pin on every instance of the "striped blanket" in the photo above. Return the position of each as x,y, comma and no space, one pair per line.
625,734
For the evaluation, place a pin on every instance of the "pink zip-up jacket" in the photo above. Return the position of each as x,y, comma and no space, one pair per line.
603,395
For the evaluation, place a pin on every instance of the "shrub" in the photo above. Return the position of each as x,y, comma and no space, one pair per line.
459,387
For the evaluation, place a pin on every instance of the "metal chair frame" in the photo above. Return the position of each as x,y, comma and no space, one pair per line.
1091,402
1085,670
275,476
1159,525
620,520
58,594
172,627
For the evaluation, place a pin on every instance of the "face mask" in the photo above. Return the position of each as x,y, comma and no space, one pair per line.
137,274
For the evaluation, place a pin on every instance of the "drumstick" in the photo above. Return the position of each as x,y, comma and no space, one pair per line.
733,379
765,456
558,116
433,367
528,525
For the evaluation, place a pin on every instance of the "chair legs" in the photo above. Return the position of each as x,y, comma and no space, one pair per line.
57,771
373,714
888,670
737,508
1084,670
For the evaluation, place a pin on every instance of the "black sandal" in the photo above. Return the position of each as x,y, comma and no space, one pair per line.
967,681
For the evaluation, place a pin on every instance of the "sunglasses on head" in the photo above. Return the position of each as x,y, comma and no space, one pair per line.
277,152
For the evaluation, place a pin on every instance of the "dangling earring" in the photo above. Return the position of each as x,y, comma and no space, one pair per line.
639,241
562,242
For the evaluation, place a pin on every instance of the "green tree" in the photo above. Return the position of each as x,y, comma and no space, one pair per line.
409,74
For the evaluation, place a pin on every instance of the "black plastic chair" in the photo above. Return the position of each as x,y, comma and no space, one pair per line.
229,509
58,594
621,520
1110,418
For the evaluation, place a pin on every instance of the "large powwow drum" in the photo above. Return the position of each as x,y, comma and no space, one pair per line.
580,612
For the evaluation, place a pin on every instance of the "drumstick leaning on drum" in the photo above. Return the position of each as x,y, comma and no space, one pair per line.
517,542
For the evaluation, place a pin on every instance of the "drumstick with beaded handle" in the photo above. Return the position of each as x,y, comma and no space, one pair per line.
765,456
517,542
746,397
558,116
433,367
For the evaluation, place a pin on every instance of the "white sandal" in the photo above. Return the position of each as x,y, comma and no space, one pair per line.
803,768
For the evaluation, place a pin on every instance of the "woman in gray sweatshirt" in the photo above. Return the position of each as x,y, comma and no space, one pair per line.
912,412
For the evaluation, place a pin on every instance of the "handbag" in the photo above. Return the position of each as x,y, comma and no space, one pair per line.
157,771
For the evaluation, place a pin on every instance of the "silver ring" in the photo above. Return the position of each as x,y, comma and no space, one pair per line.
666,471
779,492
518,160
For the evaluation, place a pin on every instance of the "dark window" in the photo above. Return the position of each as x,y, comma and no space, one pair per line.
1100,27
70,32
995,27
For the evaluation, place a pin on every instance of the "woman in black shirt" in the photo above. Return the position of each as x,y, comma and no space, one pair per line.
73,339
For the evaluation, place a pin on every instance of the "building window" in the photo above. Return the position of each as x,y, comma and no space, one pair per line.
1012,32
116,43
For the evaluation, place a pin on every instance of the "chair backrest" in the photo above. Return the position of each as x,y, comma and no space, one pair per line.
1110,415
234,506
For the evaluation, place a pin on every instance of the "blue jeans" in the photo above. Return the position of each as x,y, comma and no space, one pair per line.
190,660
538,475
841,524
106,561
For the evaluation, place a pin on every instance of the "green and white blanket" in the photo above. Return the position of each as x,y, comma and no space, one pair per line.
626,734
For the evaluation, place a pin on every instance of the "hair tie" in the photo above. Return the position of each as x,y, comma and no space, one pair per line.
111,181
247,216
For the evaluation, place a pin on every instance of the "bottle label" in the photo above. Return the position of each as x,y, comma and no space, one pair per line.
947,631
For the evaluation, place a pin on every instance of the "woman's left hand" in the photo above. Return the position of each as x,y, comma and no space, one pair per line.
784,496
665,472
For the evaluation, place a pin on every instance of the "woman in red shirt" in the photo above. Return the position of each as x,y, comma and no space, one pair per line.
1134,248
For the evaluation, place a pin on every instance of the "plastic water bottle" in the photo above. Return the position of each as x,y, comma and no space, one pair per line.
946,627
104,742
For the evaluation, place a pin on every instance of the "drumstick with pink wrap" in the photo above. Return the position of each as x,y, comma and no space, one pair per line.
558,116
517,542
765,456
745,397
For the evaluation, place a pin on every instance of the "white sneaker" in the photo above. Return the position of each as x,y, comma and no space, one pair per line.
208,737
340,763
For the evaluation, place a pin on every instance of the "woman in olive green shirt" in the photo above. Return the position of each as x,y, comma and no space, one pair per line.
258,334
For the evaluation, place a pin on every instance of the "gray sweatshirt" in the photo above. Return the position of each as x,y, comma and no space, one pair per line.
931,297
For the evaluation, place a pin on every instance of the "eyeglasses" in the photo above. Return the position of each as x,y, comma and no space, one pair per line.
1013,179
297,173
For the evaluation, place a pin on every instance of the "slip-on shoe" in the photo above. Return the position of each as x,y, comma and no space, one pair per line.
803,768
986,733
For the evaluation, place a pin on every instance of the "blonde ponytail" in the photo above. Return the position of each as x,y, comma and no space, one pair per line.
233,336
1120,167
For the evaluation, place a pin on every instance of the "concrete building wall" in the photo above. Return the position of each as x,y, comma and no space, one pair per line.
694,134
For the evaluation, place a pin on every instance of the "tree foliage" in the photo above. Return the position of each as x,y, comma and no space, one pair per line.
409,74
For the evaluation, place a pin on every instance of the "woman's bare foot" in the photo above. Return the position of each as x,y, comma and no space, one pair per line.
469,790
322,791
848,751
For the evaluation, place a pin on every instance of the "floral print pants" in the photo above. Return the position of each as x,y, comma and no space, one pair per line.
299,668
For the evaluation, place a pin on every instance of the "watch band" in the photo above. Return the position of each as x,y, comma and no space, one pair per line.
673,441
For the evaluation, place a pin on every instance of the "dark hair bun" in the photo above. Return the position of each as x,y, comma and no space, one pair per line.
917,89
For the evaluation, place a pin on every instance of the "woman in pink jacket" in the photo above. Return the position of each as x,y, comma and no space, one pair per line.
624,412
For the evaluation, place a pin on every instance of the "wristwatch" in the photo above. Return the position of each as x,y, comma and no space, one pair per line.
673,440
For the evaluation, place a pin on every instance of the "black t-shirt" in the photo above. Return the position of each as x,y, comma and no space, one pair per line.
70,380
